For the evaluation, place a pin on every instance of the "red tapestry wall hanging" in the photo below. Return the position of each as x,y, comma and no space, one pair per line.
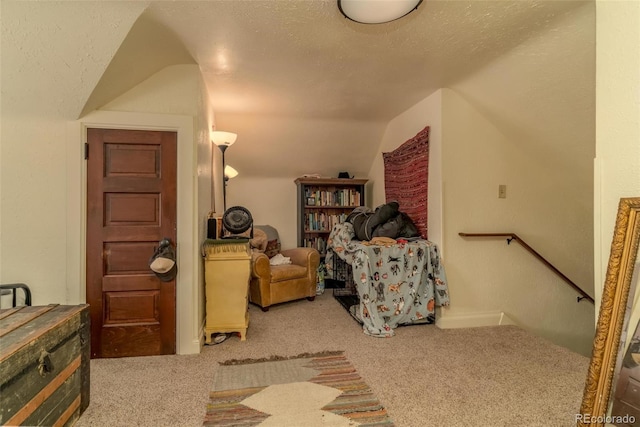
406,175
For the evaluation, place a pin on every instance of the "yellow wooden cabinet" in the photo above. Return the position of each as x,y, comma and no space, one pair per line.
227,265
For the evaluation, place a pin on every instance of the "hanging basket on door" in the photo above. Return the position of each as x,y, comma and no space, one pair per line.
238,223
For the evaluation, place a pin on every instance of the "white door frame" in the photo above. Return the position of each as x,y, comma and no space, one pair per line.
188,326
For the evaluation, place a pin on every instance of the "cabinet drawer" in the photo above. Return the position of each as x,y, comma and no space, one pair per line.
627,413
631,393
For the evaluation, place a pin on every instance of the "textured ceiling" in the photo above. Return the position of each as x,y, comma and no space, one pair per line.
299,82
303,58
296,77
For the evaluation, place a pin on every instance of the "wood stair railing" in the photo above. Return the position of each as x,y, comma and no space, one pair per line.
513,236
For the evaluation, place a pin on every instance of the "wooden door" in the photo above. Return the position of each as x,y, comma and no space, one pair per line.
131,206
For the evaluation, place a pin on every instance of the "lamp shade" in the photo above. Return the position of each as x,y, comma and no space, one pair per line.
219,138
230,172
376,11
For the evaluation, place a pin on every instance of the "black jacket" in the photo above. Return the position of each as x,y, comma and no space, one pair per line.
386,221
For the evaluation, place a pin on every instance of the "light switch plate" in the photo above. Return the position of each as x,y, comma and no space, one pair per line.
502,191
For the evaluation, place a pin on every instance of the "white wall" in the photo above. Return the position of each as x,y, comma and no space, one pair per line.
513,93
33,206
267,144
545,109
617,124
487,275
205,197
271,201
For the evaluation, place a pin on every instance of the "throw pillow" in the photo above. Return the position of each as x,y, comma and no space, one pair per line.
259,241
273,248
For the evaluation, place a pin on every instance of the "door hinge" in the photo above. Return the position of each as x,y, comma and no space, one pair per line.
86,150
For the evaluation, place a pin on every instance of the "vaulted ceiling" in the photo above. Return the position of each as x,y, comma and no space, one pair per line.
297,80
304,59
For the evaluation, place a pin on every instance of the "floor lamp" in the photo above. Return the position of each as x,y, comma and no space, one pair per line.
223,140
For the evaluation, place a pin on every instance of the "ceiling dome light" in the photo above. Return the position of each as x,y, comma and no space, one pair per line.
376,11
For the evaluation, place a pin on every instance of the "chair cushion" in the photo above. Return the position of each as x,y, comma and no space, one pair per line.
280,273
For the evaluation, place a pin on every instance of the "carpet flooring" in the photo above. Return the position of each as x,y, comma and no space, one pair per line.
349,303
424,376
323,390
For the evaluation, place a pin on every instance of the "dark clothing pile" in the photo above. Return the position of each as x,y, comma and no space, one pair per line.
385,221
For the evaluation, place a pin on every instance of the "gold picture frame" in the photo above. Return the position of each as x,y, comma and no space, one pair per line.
613,310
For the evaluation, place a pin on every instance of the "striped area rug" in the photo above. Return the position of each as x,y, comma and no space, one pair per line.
351,401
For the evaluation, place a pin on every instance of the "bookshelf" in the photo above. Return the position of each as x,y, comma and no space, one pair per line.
323,202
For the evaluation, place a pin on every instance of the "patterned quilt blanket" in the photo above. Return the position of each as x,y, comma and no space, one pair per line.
397,284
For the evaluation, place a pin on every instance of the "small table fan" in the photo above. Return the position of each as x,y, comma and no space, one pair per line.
237,220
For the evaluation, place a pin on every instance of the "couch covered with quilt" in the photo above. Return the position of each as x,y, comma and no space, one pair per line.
398,281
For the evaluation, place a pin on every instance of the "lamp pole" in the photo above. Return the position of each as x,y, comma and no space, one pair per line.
223,140
223,148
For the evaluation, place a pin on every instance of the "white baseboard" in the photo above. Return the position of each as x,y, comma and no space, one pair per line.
191,347
474,320
195,345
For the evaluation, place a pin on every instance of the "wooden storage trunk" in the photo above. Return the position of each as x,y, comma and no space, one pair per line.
44,364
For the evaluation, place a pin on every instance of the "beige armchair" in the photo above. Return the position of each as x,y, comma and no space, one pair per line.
273,284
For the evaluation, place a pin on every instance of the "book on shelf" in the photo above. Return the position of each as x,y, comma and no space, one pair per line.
323,203
321,221
318,243
340,198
